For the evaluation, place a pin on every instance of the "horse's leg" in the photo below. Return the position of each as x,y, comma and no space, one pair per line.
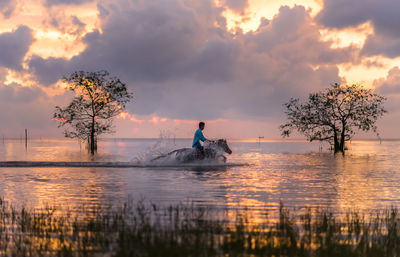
210,154
221,157
190,156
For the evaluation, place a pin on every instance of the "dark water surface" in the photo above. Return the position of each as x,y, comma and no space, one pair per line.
294,172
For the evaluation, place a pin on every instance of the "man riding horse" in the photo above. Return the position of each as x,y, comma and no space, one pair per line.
198,136
212,150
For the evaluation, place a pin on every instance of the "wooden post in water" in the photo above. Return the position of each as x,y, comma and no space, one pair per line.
26,138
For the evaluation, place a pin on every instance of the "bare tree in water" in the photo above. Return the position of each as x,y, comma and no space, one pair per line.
334,114
98,98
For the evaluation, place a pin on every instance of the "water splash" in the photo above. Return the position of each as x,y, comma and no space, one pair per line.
165,144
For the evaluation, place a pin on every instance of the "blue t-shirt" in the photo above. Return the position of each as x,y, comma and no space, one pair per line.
198,135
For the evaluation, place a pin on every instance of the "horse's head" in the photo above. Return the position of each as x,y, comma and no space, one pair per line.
224,145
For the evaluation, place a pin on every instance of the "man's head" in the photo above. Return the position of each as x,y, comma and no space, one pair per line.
201,125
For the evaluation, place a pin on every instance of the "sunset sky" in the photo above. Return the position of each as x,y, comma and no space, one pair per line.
232,63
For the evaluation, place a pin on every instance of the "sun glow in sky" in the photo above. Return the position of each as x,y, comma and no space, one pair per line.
263,49
56,44
257,10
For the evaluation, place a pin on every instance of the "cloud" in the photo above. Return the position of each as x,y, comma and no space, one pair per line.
383,15
391,84
236,5
381,45
15,93
181,62
61,20
3,74
390,88
7,7
66,2
50,70
25,107
14,46
149,42
334,15
103,12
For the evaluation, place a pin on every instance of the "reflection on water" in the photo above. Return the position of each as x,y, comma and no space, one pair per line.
295,173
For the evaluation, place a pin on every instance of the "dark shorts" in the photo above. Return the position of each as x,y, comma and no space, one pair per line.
200,152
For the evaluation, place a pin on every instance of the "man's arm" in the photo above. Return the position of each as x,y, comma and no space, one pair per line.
202,138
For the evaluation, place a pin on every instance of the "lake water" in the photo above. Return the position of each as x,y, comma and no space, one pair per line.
295,172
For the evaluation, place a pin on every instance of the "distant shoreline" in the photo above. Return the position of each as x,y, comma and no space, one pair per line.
244,140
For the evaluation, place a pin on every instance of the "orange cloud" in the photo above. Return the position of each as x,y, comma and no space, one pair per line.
123,115
250,19
179,122
155,119
133,119
127,116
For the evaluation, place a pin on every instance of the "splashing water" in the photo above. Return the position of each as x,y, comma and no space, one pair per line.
164,144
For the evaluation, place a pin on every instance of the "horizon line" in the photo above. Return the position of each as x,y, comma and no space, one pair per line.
187,138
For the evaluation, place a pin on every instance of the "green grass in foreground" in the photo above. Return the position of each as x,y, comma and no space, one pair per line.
145,230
